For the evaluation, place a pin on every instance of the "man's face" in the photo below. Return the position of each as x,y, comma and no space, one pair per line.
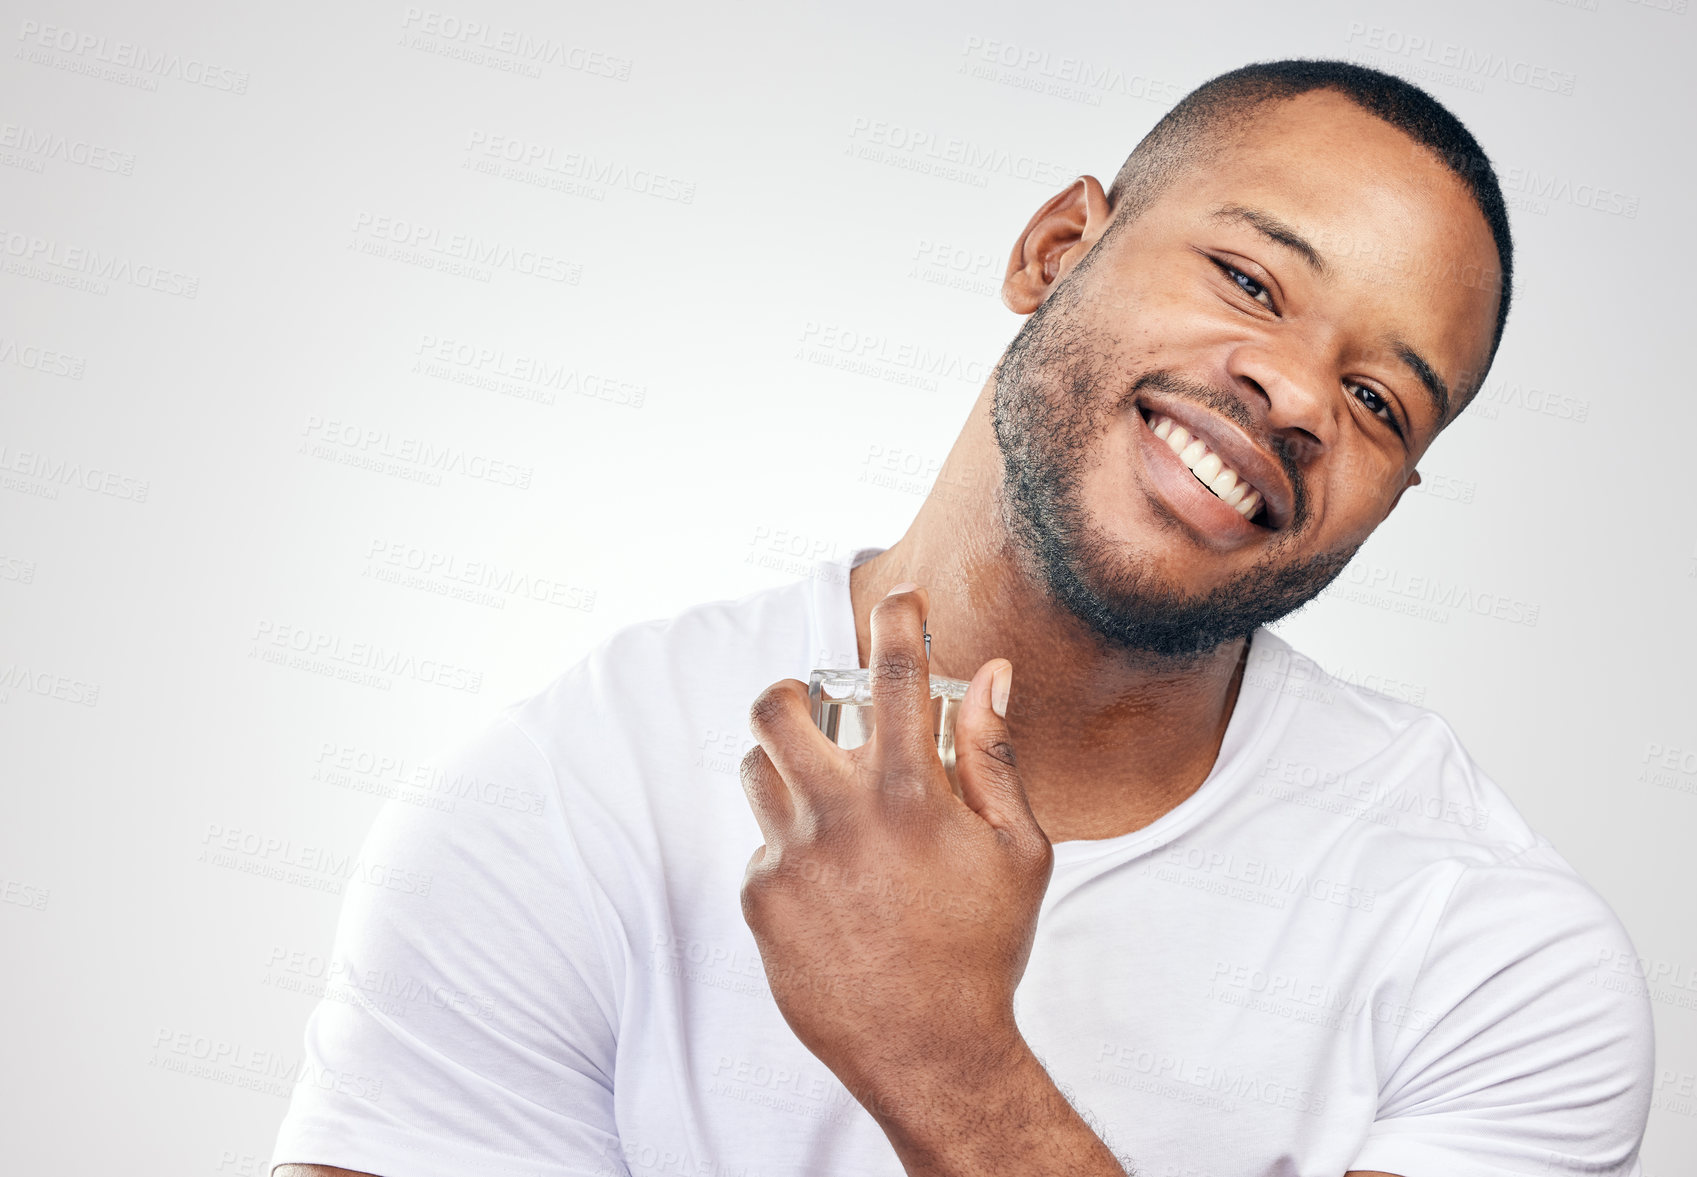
1298,304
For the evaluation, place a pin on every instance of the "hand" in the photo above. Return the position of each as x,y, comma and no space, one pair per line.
894,918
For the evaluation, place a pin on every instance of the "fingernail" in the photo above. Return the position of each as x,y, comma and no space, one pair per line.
906,586
1000,683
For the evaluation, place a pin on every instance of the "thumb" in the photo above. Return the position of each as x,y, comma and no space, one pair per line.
984,754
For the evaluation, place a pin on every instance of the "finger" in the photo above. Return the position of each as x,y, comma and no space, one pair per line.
901,680
781,720
984,754
768,795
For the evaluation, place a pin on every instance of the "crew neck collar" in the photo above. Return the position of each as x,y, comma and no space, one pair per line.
1261,710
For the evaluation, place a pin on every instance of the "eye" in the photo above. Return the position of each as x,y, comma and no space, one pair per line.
1247,284
1376,404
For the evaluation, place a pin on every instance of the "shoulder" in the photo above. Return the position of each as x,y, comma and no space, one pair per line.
1515,1028
638,743
1374,752
645,674
1525,1031
1360,714
1422,822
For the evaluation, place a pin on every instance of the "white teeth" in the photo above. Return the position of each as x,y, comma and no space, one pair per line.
1208,467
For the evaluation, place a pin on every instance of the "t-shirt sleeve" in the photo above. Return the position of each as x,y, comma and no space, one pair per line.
468,1026
1521,1052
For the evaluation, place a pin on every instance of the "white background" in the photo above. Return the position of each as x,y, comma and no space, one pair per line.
758,253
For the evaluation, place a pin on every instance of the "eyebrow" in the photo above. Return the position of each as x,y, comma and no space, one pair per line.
1274,230
1279,232
1436,389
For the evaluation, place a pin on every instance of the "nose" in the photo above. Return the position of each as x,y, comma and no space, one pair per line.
1295,388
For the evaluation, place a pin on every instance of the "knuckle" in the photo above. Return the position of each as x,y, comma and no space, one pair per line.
1041,852
830,825
752,766
1001,751
760,878
766,709
754,898
899,666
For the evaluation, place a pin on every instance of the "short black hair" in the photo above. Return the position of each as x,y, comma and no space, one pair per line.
1230,99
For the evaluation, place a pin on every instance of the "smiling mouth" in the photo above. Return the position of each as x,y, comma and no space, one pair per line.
1209,469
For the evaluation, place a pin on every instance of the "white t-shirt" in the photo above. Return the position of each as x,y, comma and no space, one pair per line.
1345,950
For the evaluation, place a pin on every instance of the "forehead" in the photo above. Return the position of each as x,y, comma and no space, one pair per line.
1402,240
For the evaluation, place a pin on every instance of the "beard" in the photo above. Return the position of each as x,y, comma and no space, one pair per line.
1054,399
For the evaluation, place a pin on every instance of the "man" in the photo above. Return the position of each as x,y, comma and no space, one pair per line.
1199,909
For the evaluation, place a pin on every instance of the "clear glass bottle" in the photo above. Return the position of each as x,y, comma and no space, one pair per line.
841,701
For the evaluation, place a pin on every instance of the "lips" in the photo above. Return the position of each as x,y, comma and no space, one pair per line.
1234,469
1227,484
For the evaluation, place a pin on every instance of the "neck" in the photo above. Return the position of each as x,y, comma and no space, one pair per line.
1108,739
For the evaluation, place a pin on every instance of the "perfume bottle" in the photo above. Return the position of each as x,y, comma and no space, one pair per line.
841,702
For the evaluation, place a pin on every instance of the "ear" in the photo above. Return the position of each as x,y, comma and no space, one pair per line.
1413,480
1057,237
